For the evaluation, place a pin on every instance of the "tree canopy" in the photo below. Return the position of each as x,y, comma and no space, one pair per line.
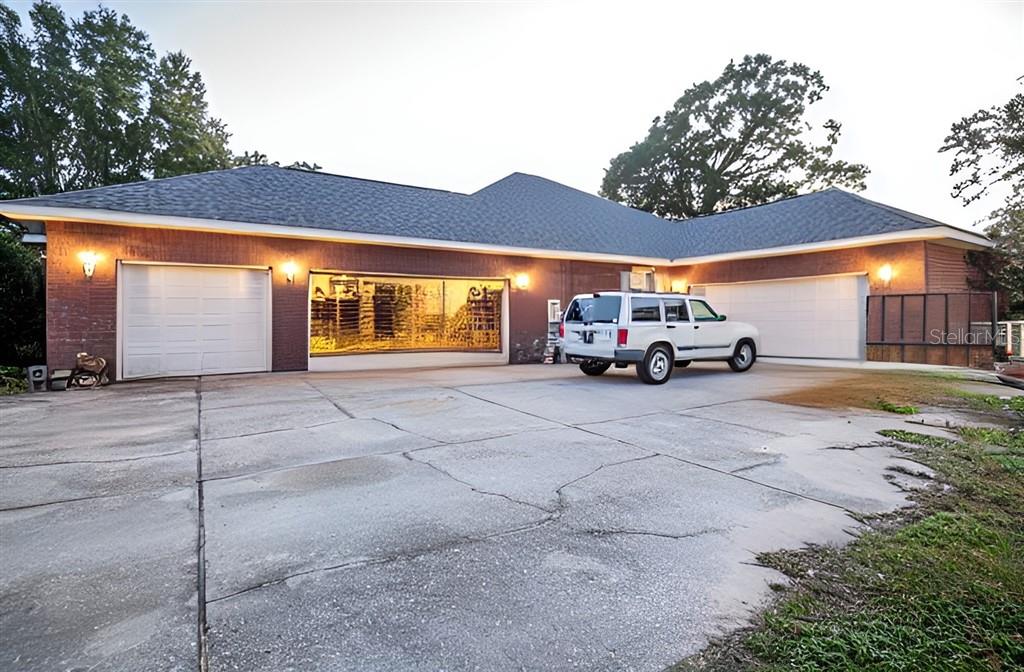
85,103
988,155
736,141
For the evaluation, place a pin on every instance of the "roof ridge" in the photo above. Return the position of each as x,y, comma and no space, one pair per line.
578,191
325,173
761,205
906,214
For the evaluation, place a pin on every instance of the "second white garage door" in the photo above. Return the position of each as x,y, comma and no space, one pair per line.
807,317
191,320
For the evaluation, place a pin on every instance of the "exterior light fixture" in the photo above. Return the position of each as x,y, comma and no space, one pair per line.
522,280
679,286
885,274
289,270
88,260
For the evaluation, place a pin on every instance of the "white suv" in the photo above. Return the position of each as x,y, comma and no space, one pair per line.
653,331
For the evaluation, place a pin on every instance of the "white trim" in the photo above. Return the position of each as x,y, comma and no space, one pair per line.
406,360
788,277
185,263
118,331
119,306
34,238
17,211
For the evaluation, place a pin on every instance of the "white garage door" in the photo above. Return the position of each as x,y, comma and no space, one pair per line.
188,320
810,317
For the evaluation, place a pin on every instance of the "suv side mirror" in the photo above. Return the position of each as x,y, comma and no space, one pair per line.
721,318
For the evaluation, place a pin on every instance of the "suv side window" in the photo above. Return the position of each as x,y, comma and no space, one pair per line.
702,312
675,311
645,310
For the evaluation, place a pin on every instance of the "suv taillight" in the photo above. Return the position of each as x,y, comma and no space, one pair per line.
561,329
623,335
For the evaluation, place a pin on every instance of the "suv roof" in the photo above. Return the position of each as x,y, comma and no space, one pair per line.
619,292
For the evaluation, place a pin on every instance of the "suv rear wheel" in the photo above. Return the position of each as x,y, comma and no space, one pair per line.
593,367
744,357
657,365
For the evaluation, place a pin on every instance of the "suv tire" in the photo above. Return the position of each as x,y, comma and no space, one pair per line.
656,368
593,367
744,357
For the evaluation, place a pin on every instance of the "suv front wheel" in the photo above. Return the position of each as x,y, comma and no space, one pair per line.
744,357
656,368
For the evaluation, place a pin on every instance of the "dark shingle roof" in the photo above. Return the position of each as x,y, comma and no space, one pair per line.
518,211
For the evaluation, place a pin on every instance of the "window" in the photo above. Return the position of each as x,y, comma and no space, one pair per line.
702,312
645,310
675,311
363,313
597,309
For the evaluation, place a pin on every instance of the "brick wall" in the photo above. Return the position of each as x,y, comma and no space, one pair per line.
82,313
907,261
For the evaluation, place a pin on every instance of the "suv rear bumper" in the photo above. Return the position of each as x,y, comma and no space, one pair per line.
621,357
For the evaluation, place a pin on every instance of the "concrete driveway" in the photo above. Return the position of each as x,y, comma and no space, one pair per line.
522,517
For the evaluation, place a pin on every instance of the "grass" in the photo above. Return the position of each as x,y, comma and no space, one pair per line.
938,587
12,380
890,407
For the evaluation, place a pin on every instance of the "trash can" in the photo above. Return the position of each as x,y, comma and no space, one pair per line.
36,379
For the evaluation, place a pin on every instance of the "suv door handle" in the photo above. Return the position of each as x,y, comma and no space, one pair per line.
670,326
696,326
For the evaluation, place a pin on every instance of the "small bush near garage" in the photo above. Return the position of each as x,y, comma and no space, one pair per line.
21,300
12,380
937,587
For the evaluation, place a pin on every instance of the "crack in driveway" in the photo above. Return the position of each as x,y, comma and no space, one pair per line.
648,533
111,461
671,457
549,517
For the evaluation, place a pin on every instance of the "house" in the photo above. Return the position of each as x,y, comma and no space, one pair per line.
265,268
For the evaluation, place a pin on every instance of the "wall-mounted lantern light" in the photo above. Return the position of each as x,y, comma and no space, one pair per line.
522,281
679,286
885,274
88,260
290,269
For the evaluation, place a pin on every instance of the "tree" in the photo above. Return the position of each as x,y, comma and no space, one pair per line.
185,138
258,158
115,61
988,149
988,153
21,296
737,141
85,104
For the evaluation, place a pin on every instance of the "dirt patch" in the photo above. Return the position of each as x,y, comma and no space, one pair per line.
875,390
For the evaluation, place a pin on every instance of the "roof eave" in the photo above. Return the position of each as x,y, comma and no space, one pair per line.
119,218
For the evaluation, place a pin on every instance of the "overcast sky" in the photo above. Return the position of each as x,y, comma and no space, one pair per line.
456,95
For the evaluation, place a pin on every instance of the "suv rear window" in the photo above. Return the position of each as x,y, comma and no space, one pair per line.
597,309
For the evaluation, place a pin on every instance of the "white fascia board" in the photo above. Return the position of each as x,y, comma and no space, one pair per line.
931,233
46,213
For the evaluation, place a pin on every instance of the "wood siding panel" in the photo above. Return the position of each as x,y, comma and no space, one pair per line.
947,268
